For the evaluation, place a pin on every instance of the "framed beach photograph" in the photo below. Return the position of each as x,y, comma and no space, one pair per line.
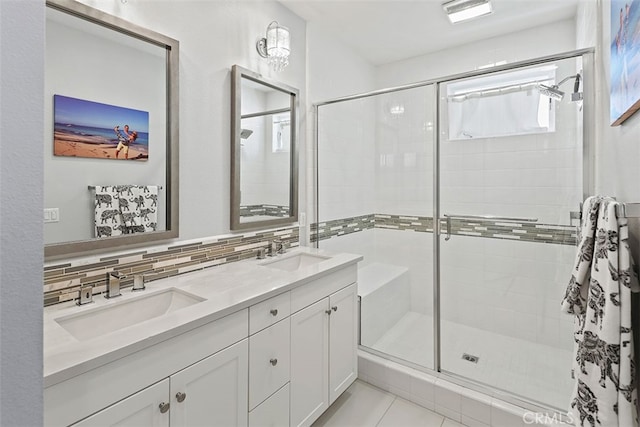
90,129
625,60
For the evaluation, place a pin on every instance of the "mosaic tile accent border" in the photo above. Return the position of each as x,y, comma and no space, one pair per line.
525,231
403,222
340,227
266,210
62,281
493,229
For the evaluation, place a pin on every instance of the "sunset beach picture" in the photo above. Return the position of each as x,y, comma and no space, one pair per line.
90,129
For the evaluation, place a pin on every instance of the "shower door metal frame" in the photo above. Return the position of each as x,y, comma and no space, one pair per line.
588,185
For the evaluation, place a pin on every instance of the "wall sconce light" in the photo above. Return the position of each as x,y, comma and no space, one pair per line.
463,10
276,46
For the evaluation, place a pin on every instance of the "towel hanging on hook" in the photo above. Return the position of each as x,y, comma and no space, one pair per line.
599,296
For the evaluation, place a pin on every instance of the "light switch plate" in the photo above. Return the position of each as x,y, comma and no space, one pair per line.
52,215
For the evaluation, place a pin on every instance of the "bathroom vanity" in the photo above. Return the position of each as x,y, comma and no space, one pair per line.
257,342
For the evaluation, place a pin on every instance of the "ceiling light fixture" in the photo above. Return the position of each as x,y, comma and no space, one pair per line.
463,10
276,46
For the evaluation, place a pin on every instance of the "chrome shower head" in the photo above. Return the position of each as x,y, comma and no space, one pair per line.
245,133
555,93
551,91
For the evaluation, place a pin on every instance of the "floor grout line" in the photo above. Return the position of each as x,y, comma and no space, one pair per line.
385,412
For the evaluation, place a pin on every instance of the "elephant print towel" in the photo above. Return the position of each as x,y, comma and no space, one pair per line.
599,296
125,209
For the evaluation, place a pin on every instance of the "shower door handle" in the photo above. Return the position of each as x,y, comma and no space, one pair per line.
448,236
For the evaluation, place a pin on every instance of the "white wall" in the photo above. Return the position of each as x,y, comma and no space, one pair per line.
214,36
404,152
617,148
509,288
21,183
532,43
335,70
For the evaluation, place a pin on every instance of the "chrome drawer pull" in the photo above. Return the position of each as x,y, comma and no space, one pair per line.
273,362
164,407
334,308
274,311
180,397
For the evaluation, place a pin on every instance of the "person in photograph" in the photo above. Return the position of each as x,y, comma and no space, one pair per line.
124,140
621,40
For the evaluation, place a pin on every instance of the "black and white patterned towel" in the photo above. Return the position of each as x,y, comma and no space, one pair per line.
599,295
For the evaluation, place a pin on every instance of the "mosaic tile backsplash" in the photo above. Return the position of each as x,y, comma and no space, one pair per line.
62,281
494,229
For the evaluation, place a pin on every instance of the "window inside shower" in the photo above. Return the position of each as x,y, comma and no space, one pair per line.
505,104
480,299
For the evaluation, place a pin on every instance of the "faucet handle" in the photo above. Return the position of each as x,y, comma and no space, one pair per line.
138,283
280,246
85,295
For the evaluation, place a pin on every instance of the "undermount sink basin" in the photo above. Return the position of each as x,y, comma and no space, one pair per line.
122,314
295,262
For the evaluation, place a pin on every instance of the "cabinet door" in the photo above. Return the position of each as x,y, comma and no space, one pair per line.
309,363
343,336
214,391
140,409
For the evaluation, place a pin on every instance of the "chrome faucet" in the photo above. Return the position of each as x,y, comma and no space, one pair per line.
113,284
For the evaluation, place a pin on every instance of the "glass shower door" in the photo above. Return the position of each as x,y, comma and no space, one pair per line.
375,197
510,173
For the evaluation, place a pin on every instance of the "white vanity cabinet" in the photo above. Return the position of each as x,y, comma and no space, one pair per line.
281,361
212,392
323,344
141,409
343,341
195,362
191,397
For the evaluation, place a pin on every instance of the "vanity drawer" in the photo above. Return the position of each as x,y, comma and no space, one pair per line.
273,412
269,355
268,312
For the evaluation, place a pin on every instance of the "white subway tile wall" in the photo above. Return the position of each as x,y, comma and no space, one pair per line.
501,283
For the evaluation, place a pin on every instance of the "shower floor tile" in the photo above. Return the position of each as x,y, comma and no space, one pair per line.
531,370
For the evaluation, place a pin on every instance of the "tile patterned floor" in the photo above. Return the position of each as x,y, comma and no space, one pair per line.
363,405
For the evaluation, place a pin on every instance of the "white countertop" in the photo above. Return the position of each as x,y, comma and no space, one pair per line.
227,288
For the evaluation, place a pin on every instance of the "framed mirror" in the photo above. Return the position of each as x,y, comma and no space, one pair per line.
111,132
264,159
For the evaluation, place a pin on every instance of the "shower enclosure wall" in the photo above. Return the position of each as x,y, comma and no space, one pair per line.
500,166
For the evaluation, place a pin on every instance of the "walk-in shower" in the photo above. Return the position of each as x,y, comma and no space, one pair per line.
496,166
